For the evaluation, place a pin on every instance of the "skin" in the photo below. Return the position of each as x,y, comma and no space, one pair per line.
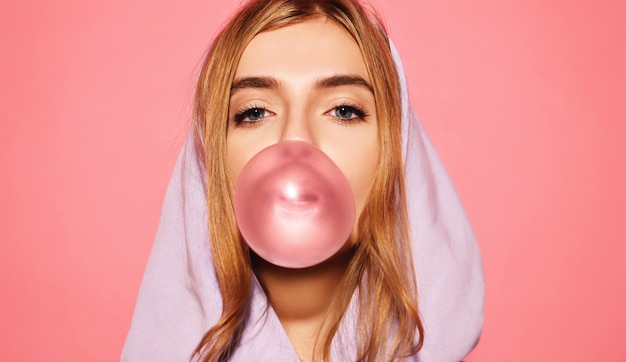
306,82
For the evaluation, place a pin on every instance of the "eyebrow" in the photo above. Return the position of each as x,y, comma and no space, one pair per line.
254,82
339,80
324,83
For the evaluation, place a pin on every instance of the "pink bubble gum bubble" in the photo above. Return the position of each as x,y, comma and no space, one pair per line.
293,205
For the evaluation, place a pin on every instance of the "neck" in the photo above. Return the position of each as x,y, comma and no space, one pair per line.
301,298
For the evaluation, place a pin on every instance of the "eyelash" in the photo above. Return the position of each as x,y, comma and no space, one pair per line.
359,113
243,113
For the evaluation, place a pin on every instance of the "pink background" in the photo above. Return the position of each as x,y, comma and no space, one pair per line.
524,100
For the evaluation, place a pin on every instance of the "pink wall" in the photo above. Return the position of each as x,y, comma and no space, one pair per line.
524,100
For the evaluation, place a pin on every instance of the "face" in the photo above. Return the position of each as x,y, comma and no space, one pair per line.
306,82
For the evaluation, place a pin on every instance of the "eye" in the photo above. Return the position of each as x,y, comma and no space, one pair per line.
347,113
251,115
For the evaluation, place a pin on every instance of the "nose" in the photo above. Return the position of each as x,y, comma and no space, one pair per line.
298,128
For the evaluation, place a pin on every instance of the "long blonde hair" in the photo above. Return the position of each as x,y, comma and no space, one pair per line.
381,270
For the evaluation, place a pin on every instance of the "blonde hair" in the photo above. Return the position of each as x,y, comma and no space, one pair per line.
381,270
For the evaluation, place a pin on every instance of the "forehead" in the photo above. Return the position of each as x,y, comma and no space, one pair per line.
313,48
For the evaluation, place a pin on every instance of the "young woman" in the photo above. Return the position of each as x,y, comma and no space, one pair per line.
321,73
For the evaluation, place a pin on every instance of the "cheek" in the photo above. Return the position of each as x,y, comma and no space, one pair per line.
235,160
359,163
240,149
364,178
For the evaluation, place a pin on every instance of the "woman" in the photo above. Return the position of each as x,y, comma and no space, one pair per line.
319,72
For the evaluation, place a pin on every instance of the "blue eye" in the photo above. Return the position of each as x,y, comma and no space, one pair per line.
252,115
346,112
